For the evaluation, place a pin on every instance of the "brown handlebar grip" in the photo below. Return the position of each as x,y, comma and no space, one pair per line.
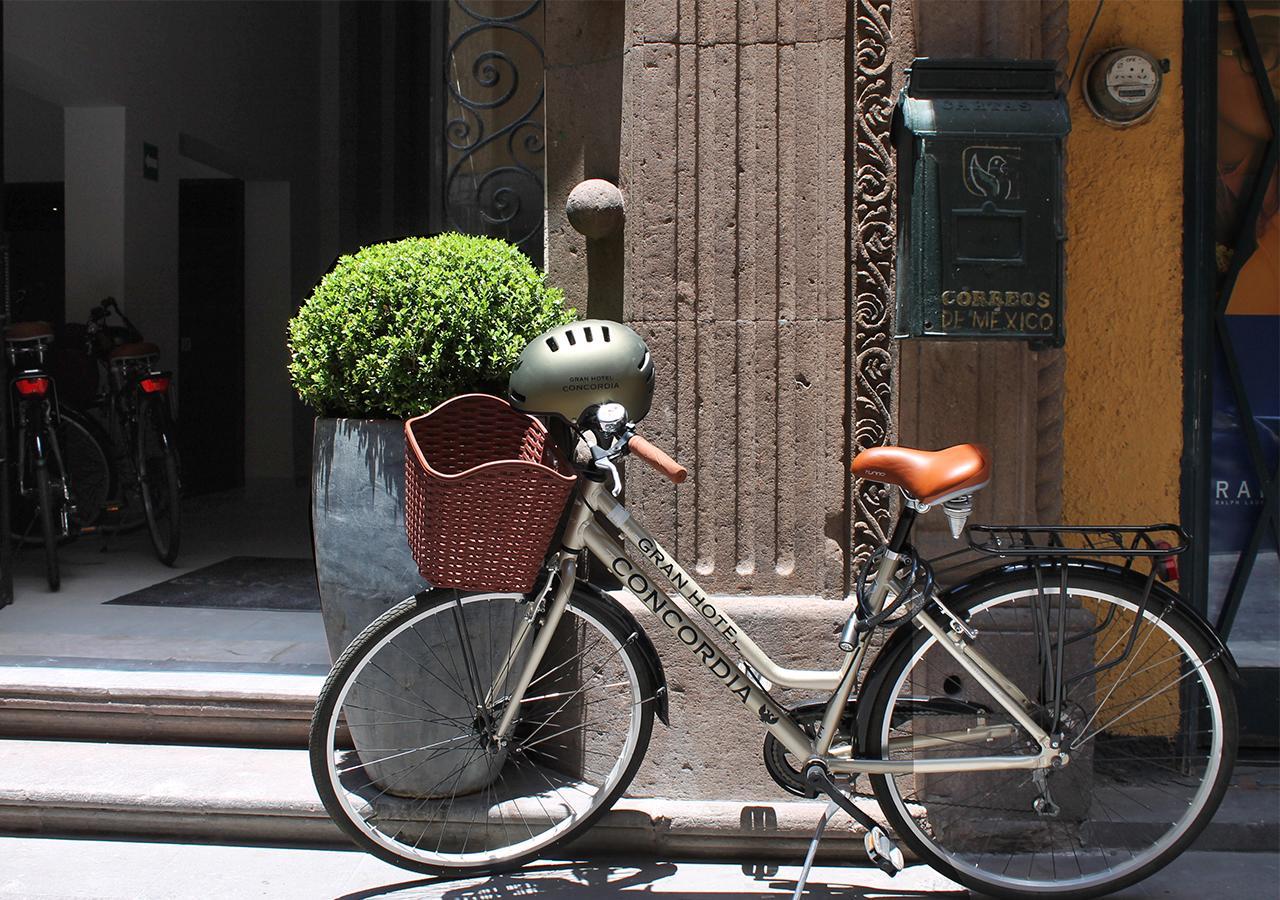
658,459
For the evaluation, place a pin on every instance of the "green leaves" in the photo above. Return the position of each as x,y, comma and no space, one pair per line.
396,328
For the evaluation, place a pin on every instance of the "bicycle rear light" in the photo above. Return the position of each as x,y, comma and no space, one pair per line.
33,387
155,384
1166,566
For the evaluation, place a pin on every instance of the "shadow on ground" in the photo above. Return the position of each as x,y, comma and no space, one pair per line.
604,881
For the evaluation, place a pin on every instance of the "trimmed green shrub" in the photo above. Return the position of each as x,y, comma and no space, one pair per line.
396,328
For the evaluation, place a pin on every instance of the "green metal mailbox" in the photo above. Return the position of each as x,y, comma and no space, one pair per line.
980,223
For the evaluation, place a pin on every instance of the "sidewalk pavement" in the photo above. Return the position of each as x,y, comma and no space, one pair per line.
38,868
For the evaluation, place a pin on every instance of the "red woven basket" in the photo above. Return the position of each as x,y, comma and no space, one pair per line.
484,491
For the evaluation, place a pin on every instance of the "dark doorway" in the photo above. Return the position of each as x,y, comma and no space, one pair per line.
33,218
211,333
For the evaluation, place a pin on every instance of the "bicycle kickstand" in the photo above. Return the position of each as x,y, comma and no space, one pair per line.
830,811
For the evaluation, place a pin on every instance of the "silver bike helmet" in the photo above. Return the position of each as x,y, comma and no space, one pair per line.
574,367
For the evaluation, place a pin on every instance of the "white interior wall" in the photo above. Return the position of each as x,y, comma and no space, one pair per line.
94,196
267,308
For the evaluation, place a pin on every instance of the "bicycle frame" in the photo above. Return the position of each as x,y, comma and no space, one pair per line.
688,613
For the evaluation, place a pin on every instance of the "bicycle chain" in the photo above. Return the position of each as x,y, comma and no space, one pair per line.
808,716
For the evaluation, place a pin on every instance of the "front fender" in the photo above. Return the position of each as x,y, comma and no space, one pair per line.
628,625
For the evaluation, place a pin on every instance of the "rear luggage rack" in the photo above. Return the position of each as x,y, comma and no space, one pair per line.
1055,546
1128,541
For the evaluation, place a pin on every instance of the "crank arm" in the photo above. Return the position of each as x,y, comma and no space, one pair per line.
880,847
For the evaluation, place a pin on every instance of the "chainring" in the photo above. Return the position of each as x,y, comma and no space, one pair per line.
778,760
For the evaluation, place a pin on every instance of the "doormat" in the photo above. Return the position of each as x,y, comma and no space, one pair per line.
241,582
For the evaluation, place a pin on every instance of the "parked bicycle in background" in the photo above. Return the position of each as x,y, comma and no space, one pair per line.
43,511
134,404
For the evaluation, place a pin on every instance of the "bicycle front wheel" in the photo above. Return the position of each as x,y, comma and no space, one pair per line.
400,746
1150,733
88,466
157,466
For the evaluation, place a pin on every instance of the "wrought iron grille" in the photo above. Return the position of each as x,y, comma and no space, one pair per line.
494,133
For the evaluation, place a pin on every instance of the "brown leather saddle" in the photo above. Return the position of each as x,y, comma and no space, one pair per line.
929,476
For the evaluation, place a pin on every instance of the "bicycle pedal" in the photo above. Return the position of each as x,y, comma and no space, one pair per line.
884,852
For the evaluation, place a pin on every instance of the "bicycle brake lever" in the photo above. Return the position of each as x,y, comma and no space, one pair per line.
607,463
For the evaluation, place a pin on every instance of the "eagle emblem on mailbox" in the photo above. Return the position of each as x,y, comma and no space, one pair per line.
992,172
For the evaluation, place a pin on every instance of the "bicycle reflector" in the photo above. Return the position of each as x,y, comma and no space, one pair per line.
1166,566
155,384
33,387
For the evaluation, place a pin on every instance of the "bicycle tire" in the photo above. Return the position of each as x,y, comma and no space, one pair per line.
85,457
157,465
88,465
985,830
48,526
367,803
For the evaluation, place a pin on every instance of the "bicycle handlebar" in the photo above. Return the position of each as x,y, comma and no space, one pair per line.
658,459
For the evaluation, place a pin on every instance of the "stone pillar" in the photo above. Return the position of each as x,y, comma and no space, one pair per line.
584,43
998,393
733,149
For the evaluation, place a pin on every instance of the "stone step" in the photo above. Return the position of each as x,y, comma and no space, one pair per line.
157,706
266,796
36,867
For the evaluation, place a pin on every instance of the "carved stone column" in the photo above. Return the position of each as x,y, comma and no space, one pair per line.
733,152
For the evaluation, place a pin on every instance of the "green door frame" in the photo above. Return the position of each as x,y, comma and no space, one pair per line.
1204,331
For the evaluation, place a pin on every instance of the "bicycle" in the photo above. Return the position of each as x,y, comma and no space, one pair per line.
476,726
41,487
136,407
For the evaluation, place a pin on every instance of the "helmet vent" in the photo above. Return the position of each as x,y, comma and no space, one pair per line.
573,341
604,331
586,331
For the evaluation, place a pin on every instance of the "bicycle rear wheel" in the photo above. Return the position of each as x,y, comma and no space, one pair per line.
89,470
157,467
399,747
1151,740
49,527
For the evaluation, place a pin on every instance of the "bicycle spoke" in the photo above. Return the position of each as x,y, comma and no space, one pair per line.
425,780
1126,781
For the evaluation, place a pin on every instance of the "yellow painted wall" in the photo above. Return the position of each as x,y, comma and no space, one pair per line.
1123,428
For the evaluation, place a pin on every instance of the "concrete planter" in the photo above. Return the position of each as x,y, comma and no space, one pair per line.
363,568
363,564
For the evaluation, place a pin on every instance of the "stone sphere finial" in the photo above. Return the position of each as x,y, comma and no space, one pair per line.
595,208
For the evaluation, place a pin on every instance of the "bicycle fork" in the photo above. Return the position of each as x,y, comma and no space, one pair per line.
550,615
